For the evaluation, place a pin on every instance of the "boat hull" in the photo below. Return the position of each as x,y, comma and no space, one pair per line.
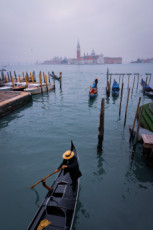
59,205
37,89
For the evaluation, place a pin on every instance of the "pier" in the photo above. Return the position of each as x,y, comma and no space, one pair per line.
12,100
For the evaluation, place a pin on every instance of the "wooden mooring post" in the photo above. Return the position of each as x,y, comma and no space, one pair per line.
60,80
131,134
40,80
149,79
121,99
126,106
138,81
101,125
133,84
137,133
108,89
128,80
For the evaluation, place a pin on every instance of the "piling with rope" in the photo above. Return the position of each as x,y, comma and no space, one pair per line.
101,125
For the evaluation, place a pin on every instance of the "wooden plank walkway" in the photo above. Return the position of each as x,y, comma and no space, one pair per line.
147,140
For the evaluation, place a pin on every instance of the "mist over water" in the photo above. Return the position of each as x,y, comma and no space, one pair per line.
115,192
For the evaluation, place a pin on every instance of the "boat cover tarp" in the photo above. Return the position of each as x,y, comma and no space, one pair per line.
115,86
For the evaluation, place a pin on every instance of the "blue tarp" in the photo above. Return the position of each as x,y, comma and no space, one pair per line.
115,86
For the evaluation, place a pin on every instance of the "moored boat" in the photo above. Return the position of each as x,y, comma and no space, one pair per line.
93,92
145,87
58,208
36,88
115,88
55,77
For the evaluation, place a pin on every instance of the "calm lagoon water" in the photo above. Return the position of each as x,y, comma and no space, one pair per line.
115,193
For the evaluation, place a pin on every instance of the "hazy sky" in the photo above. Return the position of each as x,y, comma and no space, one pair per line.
33,30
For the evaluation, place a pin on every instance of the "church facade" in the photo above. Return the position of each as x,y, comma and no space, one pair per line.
92,58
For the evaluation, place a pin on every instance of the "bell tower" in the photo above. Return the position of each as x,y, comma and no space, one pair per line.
78,51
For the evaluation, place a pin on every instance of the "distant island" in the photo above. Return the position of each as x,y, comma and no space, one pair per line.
148,60
89,59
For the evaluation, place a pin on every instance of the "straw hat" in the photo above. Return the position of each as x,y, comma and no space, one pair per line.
68,155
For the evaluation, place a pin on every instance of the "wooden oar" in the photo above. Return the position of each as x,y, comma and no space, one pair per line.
46,177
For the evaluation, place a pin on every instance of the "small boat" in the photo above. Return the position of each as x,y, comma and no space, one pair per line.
36,88
145,87
115,89
150,93
59,204
6,88
93,92
55,77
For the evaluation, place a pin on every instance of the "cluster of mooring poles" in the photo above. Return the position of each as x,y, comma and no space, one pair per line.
28,78
108,89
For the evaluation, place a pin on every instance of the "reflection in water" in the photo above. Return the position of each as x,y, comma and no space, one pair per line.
37,198
107,100
138,173
91,101
115,98
14,115
79,208
100,170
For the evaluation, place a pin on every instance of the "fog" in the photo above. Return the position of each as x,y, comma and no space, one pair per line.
41,29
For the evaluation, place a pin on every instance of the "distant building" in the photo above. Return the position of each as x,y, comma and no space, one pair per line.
86,59
148,60
110,60
56,61
93,58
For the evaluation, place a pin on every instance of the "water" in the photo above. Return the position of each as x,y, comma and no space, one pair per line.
115,193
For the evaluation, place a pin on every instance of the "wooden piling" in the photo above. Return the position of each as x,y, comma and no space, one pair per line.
135,118
26,78
126,107
23,76
33,79
48,77
110,80
119,79
46,82
60,80
108,89
128,81
138,81
121,99
133,84
149,79
12,81
123,78
146,79
5,79
101,125
137,133
30,77
40,80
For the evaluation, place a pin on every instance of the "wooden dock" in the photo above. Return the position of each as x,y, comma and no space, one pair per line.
12,100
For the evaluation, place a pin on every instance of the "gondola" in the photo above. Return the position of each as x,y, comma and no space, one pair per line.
59,206
115,89
93,92
145,87
55,77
